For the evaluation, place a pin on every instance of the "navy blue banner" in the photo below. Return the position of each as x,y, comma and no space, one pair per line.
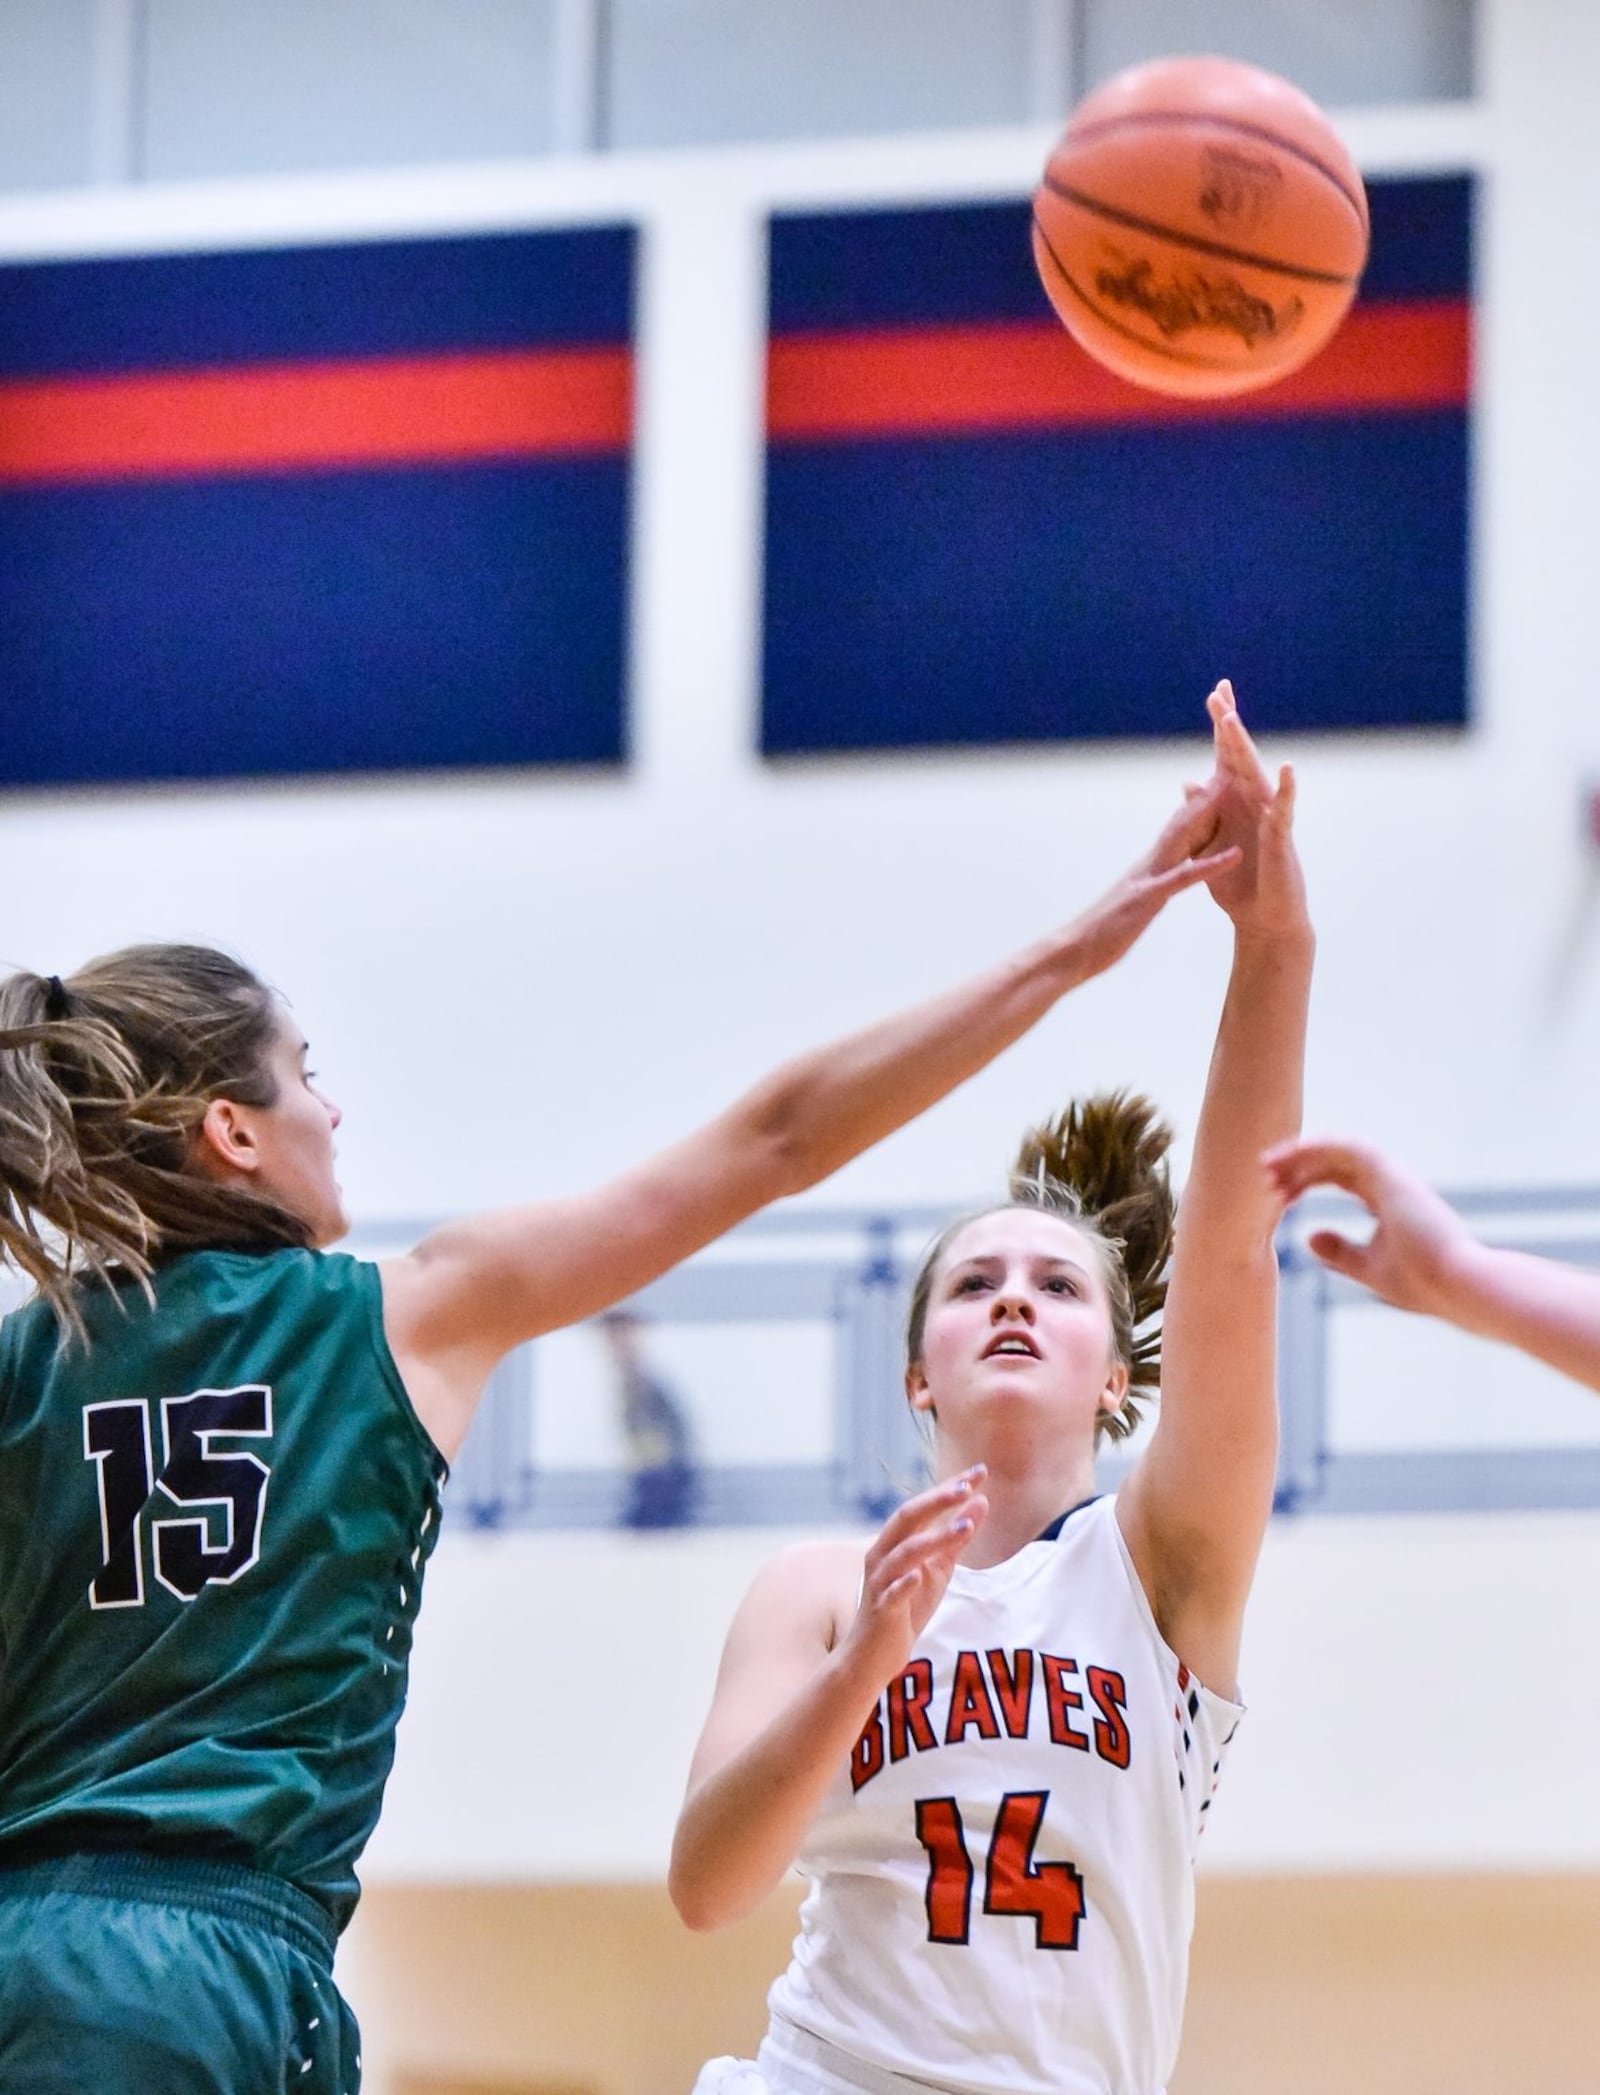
313,624
315,511
1038,573
290,304
942,264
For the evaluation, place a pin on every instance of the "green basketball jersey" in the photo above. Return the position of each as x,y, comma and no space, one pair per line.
213,1527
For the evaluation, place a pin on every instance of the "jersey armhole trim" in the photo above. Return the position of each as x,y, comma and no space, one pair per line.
1147,1615
371,1284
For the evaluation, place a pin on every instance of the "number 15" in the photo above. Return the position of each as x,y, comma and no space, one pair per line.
228,1489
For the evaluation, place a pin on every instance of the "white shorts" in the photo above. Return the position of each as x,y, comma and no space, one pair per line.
730,2077
793,2062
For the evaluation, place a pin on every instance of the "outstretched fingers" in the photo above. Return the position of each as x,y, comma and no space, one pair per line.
1220,705
1192,828
1190,872
943,1516
1279,879
1339,1253
1236,754
1295,1167
1187,851
928,1559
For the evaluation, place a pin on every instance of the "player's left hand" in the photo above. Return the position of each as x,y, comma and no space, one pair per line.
1263,891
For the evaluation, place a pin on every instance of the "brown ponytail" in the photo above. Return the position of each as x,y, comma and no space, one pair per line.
1100,1165
104,1080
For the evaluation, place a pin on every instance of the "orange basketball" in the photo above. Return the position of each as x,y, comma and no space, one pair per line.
1200,228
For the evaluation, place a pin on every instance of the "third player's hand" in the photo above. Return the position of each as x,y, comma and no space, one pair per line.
1413,1255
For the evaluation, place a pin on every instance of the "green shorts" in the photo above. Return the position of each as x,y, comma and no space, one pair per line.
129,1974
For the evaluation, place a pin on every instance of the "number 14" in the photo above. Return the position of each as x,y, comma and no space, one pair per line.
1050,1894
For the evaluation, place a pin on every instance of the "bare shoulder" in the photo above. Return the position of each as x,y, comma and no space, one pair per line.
809,1587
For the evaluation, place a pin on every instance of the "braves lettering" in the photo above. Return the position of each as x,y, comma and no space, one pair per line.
991,1695
970,1707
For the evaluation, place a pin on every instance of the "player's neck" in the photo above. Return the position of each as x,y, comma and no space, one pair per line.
1022,1506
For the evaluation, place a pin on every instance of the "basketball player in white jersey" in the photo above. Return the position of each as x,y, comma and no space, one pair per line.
1422,1257
992,1743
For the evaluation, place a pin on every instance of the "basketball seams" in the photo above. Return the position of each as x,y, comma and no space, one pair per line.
1192,241
1258,132
1186,358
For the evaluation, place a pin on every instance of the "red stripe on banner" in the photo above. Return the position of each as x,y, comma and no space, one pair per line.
910,381
298,417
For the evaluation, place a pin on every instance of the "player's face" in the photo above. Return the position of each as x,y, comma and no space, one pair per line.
294,1138
1018,1334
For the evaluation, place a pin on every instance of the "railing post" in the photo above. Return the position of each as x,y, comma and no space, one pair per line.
1302,1376
878,1452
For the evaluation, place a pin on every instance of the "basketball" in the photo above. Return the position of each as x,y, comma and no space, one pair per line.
1200,227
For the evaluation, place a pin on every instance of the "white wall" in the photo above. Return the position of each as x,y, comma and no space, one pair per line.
517,984
1419,1699
651,942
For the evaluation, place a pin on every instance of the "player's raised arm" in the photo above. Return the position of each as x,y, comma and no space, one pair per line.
1196,1507
477,1287
1422,1257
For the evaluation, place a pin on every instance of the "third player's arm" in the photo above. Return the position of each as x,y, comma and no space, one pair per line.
1422,1257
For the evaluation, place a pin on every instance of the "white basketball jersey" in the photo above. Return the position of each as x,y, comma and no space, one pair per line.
1002,1880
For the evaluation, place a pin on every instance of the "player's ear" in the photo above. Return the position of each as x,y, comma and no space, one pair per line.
918,1394
1114,1394
225,1141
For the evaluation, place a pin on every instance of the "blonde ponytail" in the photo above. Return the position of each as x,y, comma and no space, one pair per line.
1102,1165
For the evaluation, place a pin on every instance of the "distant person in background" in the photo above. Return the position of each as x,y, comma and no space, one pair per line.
658,1445
990,1738
221,1451
1422,1257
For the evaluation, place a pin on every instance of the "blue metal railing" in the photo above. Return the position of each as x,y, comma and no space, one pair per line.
849,1269
845,1272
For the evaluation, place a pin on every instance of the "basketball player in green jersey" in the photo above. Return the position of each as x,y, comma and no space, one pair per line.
220,1457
